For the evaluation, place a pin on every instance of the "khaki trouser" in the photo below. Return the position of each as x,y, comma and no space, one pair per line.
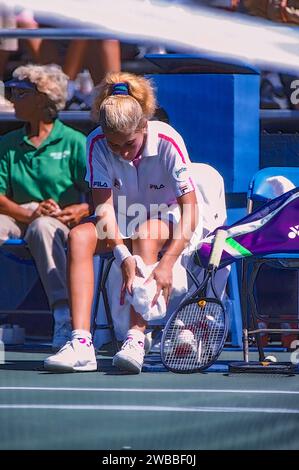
46,238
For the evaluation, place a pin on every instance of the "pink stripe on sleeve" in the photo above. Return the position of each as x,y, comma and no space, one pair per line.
94,140
173,142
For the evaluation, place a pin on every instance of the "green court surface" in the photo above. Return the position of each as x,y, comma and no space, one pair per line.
153,410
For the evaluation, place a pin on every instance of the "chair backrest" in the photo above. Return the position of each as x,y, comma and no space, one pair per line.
261,190
211,186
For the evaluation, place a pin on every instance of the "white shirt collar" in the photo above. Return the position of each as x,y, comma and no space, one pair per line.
151,144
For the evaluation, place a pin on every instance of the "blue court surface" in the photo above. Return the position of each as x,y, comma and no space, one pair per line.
154,410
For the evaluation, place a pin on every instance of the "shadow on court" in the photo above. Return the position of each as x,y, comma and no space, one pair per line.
154,410
22,365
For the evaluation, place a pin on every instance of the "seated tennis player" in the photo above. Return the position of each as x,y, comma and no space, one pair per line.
134,166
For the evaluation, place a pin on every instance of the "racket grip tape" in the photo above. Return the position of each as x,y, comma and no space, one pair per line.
217,249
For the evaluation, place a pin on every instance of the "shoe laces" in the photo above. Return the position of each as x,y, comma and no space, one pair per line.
132,343
64,347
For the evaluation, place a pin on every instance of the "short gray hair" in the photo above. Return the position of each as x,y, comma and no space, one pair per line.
49,79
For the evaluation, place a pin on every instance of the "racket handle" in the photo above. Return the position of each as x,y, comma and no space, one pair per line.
217,249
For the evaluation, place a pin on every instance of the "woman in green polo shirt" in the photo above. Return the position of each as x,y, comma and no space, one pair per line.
42,169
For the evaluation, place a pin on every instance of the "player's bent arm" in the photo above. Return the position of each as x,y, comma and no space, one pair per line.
107,227
184,230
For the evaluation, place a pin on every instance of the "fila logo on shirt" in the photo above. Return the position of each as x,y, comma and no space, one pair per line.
183,188
99,184
294,232
157,186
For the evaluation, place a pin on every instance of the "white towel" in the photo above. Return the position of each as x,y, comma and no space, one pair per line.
279,185
143,294
121,313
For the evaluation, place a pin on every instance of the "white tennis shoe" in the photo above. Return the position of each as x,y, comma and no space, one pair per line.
131,356
77,355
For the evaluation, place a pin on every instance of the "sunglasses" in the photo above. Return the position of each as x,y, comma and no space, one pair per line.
20,93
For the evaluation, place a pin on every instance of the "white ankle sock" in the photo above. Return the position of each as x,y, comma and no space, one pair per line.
82,335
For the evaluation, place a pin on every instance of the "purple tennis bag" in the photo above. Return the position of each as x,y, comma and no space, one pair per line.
271,229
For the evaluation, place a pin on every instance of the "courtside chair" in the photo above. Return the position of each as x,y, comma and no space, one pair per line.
101,306
211,185
20,277
18,252
260,191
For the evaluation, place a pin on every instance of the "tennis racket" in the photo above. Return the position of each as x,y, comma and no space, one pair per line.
195,333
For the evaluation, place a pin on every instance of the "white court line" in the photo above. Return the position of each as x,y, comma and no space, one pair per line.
151,409
150,390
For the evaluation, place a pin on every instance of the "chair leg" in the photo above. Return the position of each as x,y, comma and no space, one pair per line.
107,306
253,309
101,289
244,308
234,298
98,296
245,345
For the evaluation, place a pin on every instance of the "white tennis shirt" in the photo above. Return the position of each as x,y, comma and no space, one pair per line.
163,174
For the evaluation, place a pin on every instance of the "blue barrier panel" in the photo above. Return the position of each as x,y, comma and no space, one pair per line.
216,113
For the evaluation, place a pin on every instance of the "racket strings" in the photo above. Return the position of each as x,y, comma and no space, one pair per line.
195,336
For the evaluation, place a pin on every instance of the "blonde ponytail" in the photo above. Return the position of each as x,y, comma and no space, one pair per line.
124,102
